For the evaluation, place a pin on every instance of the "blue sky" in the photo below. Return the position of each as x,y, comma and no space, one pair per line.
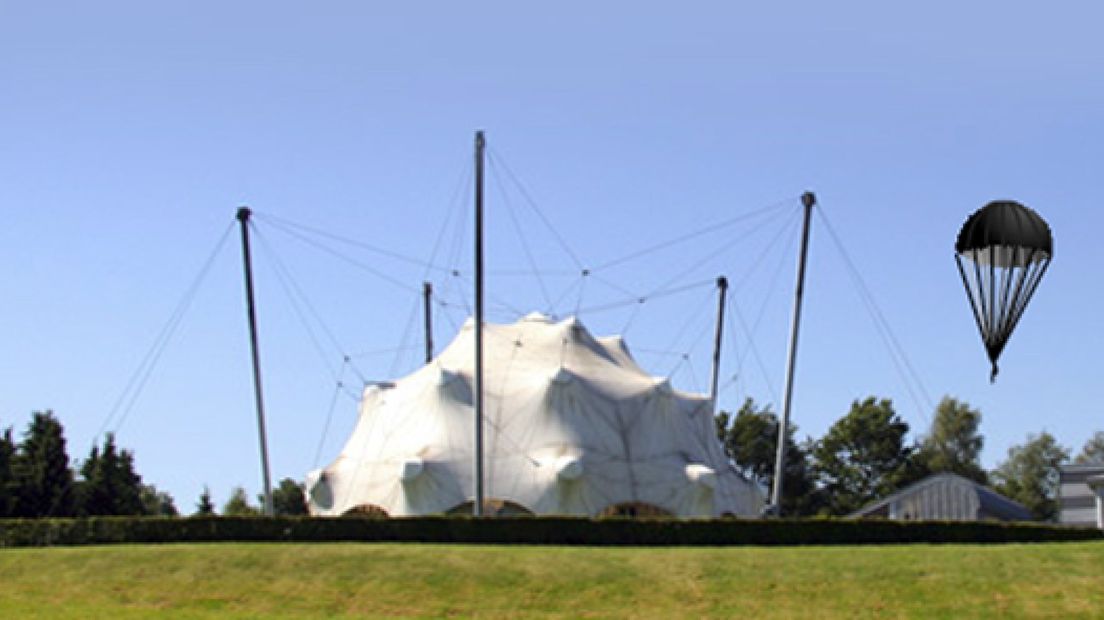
131,132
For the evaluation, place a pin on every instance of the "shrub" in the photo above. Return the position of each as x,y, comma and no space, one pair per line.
522,530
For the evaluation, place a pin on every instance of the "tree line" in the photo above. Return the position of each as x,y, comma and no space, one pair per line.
865,456
37,479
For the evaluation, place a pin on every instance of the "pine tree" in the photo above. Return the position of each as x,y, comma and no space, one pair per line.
7,483
127,486
205,506
157,503
93,493
110,486
238,504
288,498
41,471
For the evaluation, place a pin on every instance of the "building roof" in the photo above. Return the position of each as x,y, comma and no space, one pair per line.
990,501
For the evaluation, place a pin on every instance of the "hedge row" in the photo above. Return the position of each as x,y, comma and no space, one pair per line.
523,530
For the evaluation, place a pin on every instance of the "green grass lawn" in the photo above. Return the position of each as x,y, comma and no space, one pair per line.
1059,580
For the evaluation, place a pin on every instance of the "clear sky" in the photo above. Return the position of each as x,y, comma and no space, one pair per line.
130,132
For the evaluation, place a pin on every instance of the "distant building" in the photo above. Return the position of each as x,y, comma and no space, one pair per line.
945,497
1081,495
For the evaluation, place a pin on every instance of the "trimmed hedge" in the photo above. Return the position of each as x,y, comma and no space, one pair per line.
522,530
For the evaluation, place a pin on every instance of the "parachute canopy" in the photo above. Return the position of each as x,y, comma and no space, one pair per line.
1002,252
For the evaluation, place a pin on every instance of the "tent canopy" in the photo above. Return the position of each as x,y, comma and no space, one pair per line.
572,426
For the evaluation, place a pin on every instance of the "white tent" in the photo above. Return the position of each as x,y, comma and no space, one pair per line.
572,426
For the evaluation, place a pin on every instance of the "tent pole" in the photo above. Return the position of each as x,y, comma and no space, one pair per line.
722,289
243,216
808,200
427,294
477,504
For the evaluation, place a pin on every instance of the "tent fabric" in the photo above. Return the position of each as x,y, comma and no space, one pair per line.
572,425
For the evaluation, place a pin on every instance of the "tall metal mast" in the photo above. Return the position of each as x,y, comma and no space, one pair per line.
722,289
427,294
243,216
808,200
477,504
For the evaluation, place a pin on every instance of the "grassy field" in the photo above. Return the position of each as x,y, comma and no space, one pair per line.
1061,580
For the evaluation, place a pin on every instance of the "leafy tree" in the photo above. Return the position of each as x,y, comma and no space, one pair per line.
863,456
287,498
750,439
110,485
7,483
238,504
1093,451
953,444
205,506
40,469
1030,474
156,503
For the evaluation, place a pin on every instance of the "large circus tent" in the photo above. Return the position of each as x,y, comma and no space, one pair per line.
573,426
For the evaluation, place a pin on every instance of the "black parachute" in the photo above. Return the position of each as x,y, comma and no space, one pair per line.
1002,252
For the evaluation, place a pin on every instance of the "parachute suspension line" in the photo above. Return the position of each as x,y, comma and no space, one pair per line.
291,227
986,321
1033,281
1006,280
712,228
900,360
494,157
124,403
298,299
1017,283
521,235
993,280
